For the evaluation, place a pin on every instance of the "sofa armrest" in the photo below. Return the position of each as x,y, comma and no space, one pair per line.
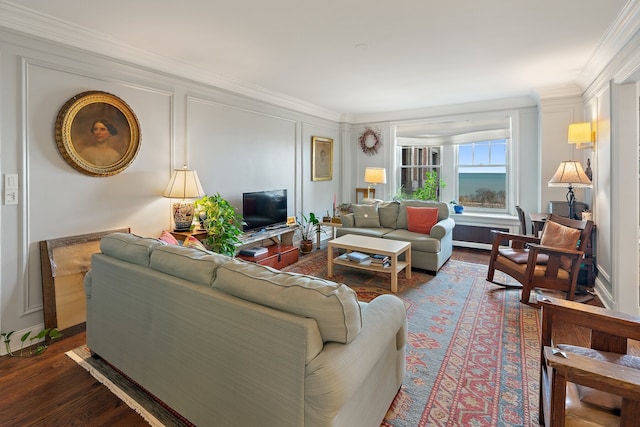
348,220
339,370
442,228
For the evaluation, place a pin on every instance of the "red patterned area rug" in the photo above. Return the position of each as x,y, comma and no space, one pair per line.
473,350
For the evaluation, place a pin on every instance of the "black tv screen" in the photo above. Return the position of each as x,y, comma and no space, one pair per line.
263,209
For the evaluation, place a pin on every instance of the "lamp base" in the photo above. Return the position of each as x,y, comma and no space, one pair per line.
182,215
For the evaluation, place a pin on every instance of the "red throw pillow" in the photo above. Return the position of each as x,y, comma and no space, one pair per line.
421,220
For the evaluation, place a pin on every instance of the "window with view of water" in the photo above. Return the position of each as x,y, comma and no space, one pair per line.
482,174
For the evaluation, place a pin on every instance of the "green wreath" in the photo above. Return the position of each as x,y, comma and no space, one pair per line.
370,141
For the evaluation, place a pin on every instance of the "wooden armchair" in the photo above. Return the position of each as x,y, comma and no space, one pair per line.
600,384
550,262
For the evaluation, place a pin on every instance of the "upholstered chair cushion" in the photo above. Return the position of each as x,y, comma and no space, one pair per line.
559,236
595,397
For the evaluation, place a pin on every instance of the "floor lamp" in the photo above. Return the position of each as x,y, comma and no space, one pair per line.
570,174
374,176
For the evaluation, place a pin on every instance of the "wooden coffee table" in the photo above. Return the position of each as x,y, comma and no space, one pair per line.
372,245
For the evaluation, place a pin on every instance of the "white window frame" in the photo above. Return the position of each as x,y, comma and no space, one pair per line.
449,169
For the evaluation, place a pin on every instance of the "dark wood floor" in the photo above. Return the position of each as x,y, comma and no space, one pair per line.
51,389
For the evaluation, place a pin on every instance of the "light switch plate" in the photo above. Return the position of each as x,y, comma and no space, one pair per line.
10,181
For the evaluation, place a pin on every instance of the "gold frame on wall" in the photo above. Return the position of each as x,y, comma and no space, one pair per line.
321,158
78,139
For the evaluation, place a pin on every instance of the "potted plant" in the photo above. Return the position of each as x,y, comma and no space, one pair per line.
40,339
307,227
222,222
429,190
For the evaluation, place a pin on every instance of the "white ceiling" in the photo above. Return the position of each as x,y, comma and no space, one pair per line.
346,56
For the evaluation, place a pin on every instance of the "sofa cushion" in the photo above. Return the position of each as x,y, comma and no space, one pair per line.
370,232
194,265
334,306
388,214
443,210
421,220
366,215
129,247
419,242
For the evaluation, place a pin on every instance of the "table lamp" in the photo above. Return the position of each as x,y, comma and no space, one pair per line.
184,184
570,174
374,176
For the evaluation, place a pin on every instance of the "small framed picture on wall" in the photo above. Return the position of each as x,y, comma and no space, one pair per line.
321,158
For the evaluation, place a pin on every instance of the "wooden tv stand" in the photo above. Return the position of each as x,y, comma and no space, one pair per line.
279,242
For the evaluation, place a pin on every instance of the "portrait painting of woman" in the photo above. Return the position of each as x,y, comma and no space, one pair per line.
97,133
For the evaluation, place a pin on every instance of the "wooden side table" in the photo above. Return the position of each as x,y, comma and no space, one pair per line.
365,192
183,235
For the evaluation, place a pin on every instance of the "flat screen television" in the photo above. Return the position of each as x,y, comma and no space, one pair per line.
264,209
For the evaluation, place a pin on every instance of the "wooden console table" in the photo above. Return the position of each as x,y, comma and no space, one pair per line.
278,236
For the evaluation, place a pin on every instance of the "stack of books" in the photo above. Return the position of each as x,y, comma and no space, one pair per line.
382,260
254,251
358,257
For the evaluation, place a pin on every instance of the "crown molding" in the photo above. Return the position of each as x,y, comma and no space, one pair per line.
443,110
569,90
25,21
613,41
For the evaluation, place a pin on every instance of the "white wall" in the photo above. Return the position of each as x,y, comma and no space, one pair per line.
236,145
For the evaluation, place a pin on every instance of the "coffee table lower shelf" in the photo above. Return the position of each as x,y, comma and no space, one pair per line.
367,265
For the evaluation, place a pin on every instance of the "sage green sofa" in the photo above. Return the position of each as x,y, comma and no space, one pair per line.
388,220
230,343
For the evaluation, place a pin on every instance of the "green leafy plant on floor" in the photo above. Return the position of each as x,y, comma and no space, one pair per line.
429,190
309,225
222,222
40,346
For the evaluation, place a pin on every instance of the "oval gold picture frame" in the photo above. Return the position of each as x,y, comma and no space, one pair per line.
97,133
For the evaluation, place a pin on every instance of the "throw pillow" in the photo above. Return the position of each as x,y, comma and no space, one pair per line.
192,242
168,238
388,213
559,236
421,220
366,215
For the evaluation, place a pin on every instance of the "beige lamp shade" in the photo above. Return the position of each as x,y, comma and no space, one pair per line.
570,174
184,184
580,134
375,175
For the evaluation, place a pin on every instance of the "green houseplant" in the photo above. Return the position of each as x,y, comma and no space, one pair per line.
308,226
429,190
222,222
40,348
